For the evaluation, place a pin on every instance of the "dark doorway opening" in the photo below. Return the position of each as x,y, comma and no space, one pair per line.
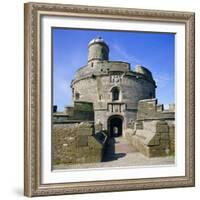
115,126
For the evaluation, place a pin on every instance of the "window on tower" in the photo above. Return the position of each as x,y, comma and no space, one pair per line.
77,96
115,93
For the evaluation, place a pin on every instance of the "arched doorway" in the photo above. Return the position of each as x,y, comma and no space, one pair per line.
115,126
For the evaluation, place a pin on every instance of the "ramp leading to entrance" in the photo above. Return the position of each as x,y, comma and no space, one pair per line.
117,147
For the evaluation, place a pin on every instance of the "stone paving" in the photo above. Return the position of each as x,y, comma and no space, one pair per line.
117,149
120,153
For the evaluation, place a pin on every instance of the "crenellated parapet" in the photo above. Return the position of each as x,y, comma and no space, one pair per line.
149,109
153,132
109,68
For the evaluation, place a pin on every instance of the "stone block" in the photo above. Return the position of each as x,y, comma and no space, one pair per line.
160,108
162,129
164,135
156,141
139,125
80,160
85,131
82,140
71,144
162,122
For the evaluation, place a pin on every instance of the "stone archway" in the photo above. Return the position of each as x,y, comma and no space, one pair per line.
115,126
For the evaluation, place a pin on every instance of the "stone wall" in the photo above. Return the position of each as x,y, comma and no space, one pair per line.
172,138
76,143
159,145
149,109
153,138
97,51
82,111
98,89
153,133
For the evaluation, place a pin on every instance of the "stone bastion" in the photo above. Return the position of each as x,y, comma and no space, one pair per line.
116,101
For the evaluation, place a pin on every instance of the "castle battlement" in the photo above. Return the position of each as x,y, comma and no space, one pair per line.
117,100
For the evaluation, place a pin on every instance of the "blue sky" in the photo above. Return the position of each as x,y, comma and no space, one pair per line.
152,50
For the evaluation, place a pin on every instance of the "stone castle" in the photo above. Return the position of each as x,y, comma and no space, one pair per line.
113,101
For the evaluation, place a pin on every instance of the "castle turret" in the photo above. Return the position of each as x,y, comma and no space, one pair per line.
143,70
98,50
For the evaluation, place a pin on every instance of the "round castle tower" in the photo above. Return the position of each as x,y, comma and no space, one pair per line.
97,50
112,87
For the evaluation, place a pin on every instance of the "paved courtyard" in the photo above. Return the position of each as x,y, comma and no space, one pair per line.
120,153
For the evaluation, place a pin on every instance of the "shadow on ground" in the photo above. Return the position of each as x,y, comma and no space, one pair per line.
110,153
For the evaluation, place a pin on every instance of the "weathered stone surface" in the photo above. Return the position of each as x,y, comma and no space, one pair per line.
155,139
82,141
172,139
149,110
85,131
162,128
69,110
160,108
95,81
75,143
139,125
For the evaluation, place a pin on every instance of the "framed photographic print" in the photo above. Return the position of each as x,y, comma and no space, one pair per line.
109,99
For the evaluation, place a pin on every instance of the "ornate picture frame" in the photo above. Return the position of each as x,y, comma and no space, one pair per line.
33,116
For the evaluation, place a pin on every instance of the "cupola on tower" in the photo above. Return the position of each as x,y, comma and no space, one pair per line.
98,50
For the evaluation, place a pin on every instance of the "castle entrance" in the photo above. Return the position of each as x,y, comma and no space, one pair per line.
115,126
